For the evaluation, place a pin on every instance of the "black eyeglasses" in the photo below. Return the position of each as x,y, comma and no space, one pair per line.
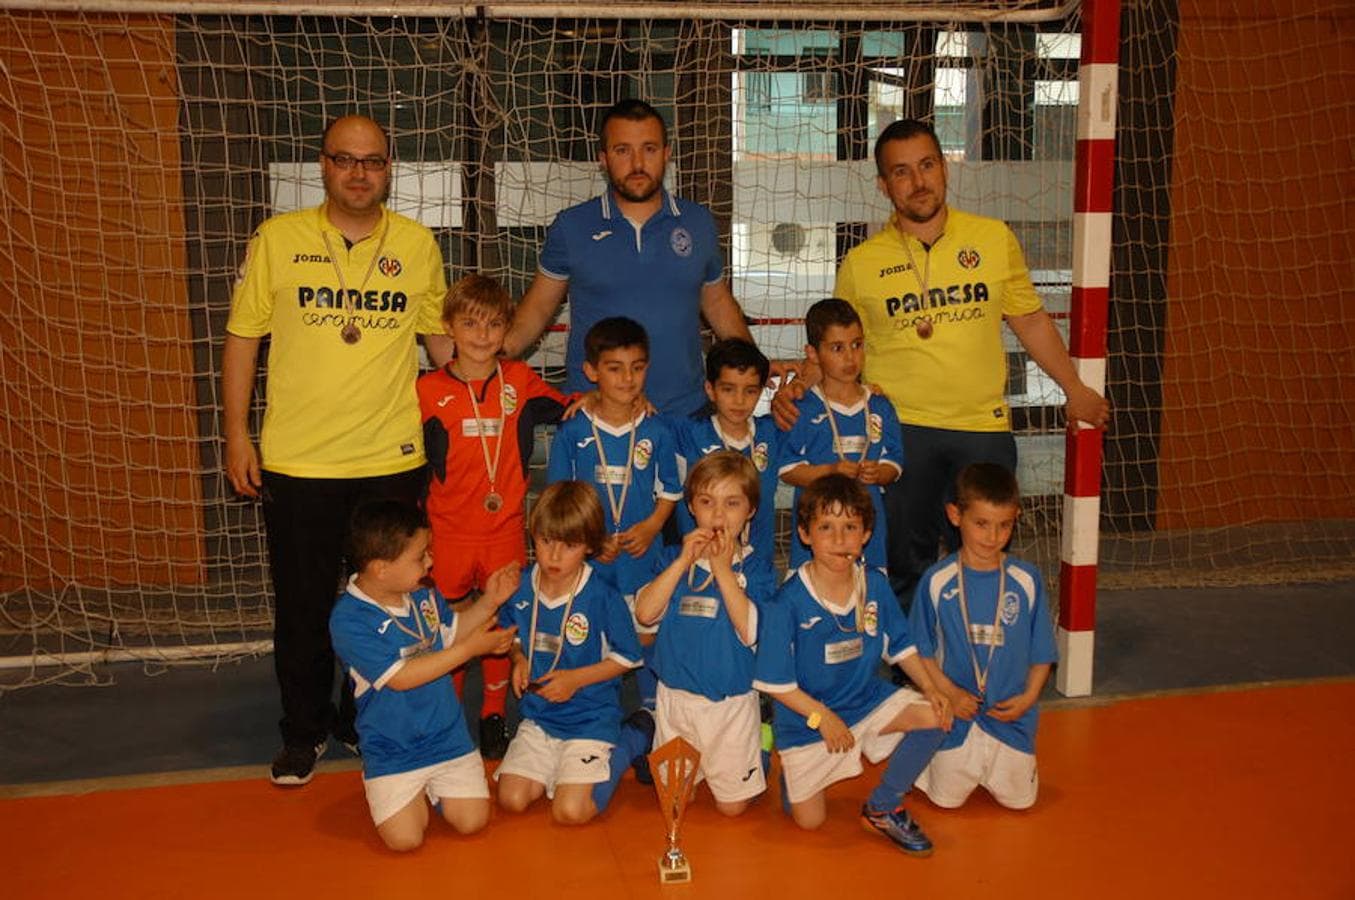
368,163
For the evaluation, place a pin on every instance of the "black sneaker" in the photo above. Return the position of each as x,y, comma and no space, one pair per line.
295,764
642,720
493,736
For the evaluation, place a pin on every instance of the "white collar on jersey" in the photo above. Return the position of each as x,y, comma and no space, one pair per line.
735,443
353,589
615,430
838,408
803,574
556,602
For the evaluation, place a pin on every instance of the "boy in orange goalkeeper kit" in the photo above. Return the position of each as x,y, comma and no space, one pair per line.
479,412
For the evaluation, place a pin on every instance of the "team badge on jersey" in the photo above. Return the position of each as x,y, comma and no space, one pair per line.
870,618
1011,608
644,452
968,258
875,427
389,266
760,455
429,610
510,399
576,629
681,242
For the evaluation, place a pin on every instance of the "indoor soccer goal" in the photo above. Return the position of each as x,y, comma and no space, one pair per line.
141,147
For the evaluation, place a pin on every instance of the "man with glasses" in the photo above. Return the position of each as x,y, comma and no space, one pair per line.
341,289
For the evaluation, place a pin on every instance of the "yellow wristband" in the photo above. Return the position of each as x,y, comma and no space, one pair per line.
813,720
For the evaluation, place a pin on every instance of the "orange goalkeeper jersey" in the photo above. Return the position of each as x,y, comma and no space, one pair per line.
459,479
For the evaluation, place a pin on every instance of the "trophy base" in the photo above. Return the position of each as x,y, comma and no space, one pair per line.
674,871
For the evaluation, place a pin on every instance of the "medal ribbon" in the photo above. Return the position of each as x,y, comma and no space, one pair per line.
832,425
981,675
748,454
710,570
724,441
349,304
423,639
925,277
492,468
858,597
616,505
564,621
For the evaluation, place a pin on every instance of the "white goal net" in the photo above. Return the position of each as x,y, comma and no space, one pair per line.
140,150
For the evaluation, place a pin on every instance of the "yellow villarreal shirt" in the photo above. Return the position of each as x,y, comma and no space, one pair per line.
339,410
956,378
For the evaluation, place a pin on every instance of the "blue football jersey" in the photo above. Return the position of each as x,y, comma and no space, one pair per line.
653,273
868,429
1023,637
598,626
697,649
399,731
652,467
816,646
701,437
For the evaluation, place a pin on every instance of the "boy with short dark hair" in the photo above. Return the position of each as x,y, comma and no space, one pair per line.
575,639
479,413
989,658
842,428
630,459
398,640
705,605
736,373
822,641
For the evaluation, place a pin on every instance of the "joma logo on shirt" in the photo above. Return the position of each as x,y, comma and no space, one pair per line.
954,295
310,257
332,298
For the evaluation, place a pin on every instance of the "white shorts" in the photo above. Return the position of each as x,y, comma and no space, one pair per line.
462,778
1007,773
811,768
727,733
538,757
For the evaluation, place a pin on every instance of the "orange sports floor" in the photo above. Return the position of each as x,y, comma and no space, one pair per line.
1234,793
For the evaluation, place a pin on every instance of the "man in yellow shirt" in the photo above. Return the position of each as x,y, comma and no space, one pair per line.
342,289
932,289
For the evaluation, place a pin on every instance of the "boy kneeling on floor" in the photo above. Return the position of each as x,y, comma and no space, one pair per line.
399,640
822,639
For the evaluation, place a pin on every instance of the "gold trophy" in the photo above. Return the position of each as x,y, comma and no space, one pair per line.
674,766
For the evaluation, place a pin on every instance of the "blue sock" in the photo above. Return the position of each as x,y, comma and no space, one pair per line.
632,743
907,761
647,681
